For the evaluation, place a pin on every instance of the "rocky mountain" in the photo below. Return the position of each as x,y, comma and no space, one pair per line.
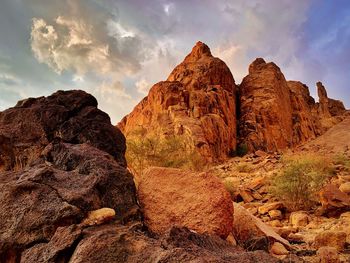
198,100
201,101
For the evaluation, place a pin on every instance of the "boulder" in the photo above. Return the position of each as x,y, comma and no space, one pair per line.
71,116
299,219
333,201
99,216
250,231
278,249
336,239
265,208
67,182
171,197
275,214
328,255
197,101
345,187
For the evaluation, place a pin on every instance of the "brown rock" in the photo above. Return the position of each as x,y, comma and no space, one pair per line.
265,108
306,124
197,101
336,239
299,219
328,255
248,229
71,116
278,249
275,214
345,187
333,201
99,216
172,197
265,208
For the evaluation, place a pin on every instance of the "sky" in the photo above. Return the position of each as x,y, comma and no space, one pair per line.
117,49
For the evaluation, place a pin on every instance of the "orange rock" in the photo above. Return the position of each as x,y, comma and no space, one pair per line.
172,197
198,101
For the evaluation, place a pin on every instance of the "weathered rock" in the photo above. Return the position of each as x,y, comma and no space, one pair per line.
71,116
278,249
345,187
336,239
328,107
265,109
328,255
250,230
67,183
275,214
265,208
299,219
172,197
333,201
197,101
306,124
99,216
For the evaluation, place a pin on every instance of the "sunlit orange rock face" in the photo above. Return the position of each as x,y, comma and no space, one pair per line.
198,100
265,108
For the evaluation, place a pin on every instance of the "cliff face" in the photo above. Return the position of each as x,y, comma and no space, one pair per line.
266,112
198,101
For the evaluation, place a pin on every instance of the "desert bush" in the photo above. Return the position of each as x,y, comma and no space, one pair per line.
244,167
300,181
145,150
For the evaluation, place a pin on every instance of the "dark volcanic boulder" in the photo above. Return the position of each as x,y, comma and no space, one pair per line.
59,190
70,115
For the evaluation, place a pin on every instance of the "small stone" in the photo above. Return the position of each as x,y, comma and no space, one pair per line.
231,239
335,239
99,216
275,223
275,214
328,255
345,188
299,219
264,209
278,249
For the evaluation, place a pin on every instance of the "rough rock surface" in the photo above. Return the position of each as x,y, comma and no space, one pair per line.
197,101
265,121
71,116
171,197
116,243
67,182
306,124
251,231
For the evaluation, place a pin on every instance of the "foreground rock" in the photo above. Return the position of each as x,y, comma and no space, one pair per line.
71,116
197,101
171,197
67,182
115,243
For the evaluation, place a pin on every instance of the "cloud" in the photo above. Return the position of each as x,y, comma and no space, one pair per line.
143,86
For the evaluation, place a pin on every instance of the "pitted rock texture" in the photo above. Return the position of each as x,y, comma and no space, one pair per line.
71,116
172,197
197,101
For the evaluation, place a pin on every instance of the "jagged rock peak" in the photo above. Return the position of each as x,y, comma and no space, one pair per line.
198,51
321,91
256,64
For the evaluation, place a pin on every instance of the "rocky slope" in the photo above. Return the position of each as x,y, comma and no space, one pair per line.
196,101
201,101
71,199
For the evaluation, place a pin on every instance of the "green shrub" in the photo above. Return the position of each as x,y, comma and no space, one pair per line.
242,149
300,181
145,150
